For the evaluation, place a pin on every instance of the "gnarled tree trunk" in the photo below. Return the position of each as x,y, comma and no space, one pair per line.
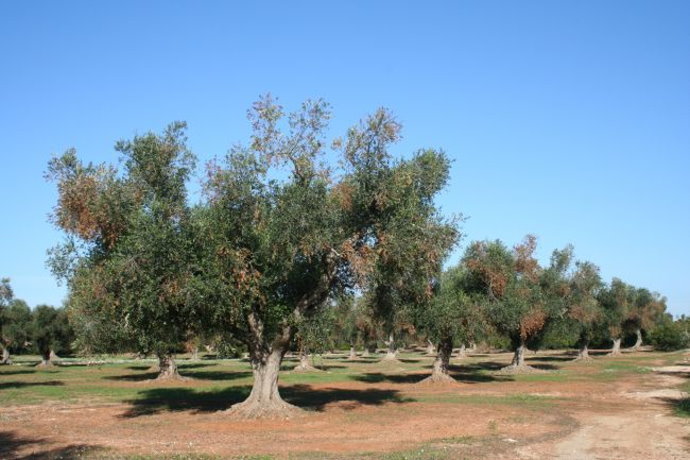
392,352
616,349
167,368
518,364
5,356
353,352
304,365
265,401
462,352
439,372
45,359
195,353
638,342
583,352
430,348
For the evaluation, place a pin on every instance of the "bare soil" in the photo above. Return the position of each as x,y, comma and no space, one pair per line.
628,418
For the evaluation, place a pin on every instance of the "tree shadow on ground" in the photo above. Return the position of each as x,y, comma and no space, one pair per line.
139,367
18,372
683,374
8,385
360,360
201,375
549,359
460,373
680,406
464,374
317,399
11,444
484,366
378,377
156,400
194,365
543,367
216,375
408,360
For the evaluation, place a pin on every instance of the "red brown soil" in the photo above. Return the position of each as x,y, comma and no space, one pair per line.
578,426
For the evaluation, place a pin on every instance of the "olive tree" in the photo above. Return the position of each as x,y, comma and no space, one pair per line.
50,333
585,310
129,254
453,314
616,300
6,295
286,234
646,310
520,296
16,329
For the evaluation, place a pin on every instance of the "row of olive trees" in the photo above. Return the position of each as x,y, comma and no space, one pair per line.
278,236
496,291
44,330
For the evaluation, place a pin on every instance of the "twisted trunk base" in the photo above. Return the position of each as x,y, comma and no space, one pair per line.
616,350
45,360
353,353
638,342
583,354
5,356
304,365
167,369
430,348
439,372
265,401
195,354
391,354
462,352
518,366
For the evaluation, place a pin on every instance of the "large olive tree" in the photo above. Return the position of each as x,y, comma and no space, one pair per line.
286,233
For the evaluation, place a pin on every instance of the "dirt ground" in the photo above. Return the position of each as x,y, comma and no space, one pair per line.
572,418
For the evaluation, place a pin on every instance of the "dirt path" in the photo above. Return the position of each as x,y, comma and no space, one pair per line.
642,429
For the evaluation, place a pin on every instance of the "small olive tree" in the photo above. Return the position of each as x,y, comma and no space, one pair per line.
50,333
452,315
16,329
584,309
616,300
6,295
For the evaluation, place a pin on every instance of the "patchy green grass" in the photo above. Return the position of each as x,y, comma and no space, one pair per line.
217,384
522,400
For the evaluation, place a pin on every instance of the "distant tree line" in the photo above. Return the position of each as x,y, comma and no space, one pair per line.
44,331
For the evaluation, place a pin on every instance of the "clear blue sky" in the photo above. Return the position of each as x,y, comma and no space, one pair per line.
567,119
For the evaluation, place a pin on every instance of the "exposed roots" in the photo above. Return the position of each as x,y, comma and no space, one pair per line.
46,364
275,409
615,353
583,359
